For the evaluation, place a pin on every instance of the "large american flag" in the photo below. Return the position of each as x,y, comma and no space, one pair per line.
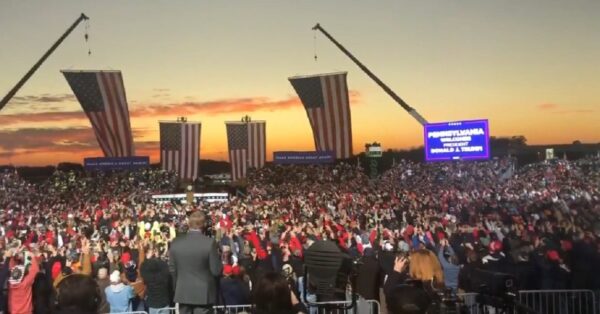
247,146
102,97
325,98
179,148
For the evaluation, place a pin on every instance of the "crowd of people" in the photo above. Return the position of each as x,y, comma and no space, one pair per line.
539,223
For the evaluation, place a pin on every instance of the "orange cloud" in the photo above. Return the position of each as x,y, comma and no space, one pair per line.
223,106
553,108
215,107
547,106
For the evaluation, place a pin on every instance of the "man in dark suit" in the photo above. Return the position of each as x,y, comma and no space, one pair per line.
194,264
368,276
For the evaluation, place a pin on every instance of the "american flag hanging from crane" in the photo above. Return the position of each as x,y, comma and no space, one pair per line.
180,147
102,97
325,98
247,146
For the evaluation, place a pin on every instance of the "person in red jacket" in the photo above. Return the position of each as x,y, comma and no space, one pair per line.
20,283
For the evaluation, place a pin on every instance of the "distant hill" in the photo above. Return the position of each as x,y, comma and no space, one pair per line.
515,146
38,174
208,167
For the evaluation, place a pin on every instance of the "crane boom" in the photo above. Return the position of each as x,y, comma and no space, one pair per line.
31,71
388,90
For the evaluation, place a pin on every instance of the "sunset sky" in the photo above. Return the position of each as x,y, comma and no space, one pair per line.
531,67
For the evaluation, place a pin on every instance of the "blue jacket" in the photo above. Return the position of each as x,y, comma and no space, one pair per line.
416,241
118,297
450,270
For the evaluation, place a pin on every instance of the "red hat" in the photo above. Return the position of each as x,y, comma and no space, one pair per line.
566,245
495,246
125,258
227,270
553,255
56,269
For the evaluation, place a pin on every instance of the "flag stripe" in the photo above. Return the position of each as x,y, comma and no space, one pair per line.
184,152
346,119
247,147
103,142
196,148
105,121
335,127
315,128
111,113
102,97
263,144
325,98
116,85
327,114
339,147
180,148
117,113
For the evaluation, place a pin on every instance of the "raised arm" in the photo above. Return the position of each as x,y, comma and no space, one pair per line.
33,270
216,267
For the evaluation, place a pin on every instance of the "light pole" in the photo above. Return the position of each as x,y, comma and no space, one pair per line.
373,152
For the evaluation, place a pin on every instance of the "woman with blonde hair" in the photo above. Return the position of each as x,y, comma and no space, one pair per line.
425,267
411,291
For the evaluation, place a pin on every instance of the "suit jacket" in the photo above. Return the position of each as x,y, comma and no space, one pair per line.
194,263
368,278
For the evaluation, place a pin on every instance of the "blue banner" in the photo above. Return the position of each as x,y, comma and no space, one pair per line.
457,140
116,163
299,158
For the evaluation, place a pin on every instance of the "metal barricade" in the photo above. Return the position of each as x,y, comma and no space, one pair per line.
169,310
469,300
362,307
233,309
559,301
343,307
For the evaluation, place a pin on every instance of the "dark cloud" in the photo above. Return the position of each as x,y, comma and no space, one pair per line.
15,118
43,138
75,139
161,95
42,98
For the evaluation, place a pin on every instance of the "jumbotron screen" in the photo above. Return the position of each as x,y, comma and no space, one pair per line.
459,140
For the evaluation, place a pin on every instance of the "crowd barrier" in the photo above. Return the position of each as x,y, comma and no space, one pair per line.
560,301
539,301
362,307
168,310
233,309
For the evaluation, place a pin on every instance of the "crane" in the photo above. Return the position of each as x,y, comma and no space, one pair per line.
388,90
36,66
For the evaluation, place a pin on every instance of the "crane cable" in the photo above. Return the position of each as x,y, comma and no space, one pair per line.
315,44
87,36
